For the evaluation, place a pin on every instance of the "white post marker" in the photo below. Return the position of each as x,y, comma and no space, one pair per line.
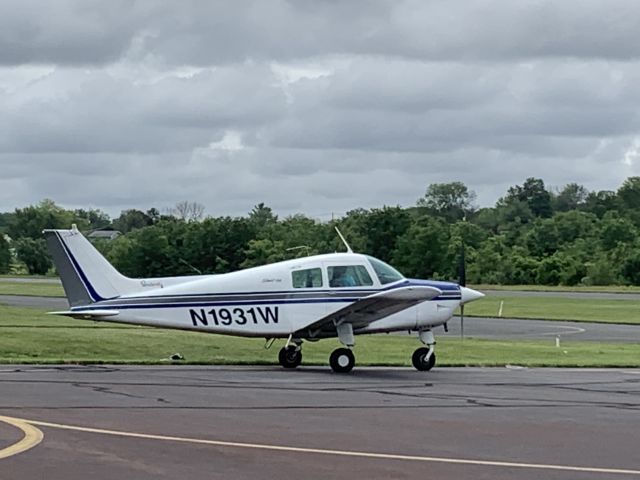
500,309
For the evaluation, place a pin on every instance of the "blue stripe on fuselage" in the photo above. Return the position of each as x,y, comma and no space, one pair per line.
450,288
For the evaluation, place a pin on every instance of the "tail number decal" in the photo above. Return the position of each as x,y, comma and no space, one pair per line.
239,316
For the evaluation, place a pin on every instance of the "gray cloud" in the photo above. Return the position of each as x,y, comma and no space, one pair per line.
314,107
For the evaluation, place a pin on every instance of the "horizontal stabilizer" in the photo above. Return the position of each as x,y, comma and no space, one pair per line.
87,314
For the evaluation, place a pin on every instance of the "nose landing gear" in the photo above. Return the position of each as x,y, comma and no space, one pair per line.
424,358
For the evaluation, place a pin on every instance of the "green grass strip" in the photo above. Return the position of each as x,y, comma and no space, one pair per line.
561,288
558,308
34,289
30,336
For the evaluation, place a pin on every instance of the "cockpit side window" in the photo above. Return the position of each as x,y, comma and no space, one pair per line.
386,273
309,278
349,276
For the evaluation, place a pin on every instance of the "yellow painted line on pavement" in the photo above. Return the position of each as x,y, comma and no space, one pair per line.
340,453
32,437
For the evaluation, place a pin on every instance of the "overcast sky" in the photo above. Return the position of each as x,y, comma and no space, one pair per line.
312,106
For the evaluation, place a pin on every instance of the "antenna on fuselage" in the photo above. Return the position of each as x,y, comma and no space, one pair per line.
343,240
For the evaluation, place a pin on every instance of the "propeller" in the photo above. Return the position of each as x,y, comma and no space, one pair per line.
462,281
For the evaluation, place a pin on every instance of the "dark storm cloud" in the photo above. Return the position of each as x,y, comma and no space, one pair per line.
312,106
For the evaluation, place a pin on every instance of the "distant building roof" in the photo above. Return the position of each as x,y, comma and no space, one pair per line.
106,234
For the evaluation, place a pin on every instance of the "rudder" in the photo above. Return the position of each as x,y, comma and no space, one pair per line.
87,277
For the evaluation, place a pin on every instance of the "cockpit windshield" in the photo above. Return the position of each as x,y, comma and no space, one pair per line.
386,273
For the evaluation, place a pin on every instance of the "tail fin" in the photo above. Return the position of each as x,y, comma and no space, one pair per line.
87,277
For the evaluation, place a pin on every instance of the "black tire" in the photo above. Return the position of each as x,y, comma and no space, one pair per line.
419,359
342,360
290,357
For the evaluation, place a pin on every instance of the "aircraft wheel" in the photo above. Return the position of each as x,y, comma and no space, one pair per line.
290,357
342,360
420,361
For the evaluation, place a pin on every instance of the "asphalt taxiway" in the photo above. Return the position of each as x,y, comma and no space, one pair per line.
249,422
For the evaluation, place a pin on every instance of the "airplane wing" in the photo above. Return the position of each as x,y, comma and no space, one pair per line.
88,314
374,307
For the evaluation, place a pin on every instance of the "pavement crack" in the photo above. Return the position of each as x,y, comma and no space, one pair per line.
108,390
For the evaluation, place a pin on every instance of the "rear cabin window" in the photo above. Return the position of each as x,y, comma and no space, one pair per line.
349,276
309,278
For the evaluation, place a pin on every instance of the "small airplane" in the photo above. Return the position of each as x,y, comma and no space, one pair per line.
323,296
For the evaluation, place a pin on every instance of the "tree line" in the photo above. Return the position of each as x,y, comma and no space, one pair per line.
533,235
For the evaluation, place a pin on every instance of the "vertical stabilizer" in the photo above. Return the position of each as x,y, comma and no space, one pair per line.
87,277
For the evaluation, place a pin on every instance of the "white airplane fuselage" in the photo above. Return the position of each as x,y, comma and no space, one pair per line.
263,302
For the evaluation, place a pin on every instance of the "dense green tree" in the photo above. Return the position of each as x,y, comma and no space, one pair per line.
601,202
132,219
152,254
451,201
572,197
5,221
519,269
218,245
615,230
550,269
383,227
600,271
488,219
631,269
512,212
262,216
487,266
5,255
32,220
302,235
264,251
629,193
462,233
573,225
92,219
542,239
33,253
534,194
354,228
422,250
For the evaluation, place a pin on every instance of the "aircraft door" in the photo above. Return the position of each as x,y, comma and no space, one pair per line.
309,295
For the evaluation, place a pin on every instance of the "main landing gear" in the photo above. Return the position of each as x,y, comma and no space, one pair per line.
424,358
290,356
342,360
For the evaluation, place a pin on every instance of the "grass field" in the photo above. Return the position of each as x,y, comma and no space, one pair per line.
30,336
35,288
558,308
561,288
